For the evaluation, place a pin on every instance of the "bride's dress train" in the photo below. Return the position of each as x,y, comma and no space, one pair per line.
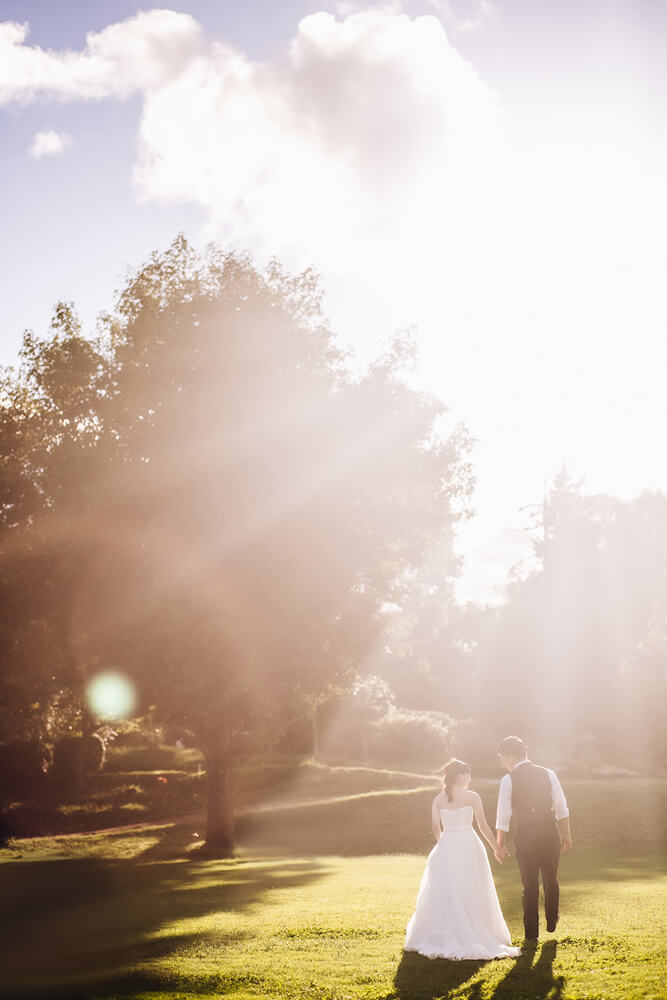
457,913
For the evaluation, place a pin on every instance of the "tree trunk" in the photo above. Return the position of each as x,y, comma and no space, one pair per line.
219,815
316,735
88,722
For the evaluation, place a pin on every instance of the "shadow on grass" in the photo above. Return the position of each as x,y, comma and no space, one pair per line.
174,842
419,978
88,927
532,981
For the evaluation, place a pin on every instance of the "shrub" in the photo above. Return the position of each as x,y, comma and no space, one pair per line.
22,767
73,758
403,738
28,819
68,764
585,754
477,746
94,751
152,758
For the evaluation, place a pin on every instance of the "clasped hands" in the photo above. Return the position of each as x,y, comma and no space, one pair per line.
501,853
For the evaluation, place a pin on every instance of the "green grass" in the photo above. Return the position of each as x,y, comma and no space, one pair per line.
125,793
624,813
137,914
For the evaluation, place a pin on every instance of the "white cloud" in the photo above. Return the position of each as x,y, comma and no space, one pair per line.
344,8
481,13
369,138
459,15
48,144
363,142
138,54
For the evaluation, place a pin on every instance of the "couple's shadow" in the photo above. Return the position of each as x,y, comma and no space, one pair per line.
419,978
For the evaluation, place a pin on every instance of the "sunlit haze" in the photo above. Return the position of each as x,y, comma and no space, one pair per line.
490,173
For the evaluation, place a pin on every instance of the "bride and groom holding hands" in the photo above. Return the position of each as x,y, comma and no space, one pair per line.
457,915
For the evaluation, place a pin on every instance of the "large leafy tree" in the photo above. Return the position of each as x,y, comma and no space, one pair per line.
229,505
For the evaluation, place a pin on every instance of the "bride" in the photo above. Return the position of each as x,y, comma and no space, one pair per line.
457,913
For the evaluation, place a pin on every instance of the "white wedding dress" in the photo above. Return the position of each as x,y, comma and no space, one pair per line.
457,913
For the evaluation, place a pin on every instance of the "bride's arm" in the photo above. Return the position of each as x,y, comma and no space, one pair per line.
435,820
483,826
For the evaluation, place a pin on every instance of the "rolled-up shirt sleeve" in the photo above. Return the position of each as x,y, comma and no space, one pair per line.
557,796
504,813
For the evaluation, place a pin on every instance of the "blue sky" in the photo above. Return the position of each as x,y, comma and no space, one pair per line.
72,224
491,171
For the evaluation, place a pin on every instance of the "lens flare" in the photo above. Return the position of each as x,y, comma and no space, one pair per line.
110,695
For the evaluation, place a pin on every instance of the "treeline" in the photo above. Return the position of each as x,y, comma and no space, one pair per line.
578,654
575,658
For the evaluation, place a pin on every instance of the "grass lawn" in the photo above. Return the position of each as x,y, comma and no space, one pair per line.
136,914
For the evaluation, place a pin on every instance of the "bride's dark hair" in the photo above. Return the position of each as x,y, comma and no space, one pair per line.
450,773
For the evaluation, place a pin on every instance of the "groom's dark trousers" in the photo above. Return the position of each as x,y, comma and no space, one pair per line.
537,844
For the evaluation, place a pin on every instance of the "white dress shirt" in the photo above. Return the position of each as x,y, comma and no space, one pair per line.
504,813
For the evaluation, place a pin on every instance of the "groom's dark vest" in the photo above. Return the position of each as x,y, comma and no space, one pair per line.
531,796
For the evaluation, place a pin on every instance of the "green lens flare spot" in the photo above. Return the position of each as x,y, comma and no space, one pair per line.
110,695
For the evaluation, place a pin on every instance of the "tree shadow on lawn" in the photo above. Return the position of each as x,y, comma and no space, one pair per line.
77,928
174,842
419,978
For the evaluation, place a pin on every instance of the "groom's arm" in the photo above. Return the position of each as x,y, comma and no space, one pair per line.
565,835
561,811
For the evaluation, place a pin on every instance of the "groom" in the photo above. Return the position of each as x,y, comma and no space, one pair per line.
534,797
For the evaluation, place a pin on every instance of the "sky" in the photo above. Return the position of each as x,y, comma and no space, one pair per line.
489,172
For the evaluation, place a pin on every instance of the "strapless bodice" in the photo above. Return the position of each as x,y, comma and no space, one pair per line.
454,820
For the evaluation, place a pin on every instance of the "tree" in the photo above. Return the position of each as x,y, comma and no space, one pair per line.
46,442
578,641
423,656
237,505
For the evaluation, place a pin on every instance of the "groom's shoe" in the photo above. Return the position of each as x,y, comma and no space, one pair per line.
552,924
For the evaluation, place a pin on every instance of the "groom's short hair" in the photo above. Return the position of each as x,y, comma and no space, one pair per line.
512,746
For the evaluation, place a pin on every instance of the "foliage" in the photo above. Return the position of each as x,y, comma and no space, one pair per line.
410,739
48,437
423,656
23,764
579,646
366,726
74,757
206,497
154,757
67,769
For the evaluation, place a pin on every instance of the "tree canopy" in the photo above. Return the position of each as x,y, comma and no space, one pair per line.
576,654
212,500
